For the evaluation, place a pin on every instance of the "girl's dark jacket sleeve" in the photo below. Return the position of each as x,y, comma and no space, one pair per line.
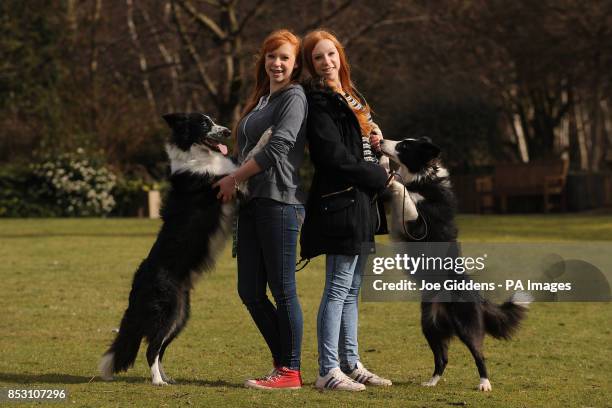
341,211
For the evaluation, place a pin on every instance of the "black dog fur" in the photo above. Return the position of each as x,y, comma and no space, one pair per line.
423,209
195,227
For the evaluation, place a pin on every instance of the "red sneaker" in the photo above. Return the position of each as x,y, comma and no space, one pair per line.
283,378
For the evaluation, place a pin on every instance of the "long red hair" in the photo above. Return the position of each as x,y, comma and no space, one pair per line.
344,73
262,81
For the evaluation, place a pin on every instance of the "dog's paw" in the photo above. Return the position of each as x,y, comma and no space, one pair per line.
159,383
428,384
433,381
484,385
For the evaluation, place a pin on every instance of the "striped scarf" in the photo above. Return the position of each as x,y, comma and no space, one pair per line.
368,154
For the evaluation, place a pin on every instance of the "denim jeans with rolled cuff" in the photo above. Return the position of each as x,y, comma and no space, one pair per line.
268,233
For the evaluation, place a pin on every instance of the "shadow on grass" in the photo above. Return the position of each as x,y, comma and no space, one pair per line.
43,378
80,235
54,378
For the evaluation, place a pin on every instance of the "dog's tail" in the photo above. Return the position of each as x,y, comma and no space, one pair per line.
122,353
502,321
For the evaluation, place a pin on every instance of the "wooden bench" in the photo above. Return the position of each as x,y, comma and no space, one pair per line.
538,178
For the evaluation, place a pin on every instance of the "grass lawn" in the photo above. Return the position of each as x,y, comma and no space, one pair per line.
65,284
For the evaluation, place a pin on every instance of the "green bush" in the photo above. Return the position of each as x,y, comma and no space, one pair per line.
75,184
131,196
70,184
17,197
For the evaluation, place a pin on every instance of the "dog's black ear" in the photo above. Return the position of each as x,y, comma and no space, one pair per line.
197,117
430,149
179,123
173,118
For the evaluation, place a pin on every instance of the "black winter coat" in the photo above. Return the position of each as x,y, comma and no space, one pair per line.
341,211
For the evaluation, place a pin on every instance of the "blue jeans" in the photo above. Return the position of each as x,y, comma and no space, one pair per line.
337,318
267,237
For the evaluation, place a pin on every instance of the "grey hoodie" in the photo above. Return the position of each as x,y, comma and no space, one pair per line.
282,157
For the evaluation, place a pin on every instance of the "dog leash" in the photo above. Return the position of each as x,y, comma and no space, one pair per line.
391,175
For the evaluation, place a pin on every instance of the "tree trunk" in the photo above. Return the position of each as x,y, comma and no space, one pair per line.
142,59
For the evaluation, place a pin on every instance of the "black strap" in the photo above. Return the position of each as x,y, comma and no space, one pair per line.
300,261
391,175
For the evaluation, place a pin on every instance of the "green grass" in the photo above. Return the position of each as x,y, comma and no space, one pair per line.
65,285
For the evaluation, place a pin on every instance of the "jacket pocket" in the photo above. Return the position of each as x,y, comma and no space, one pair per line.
338,213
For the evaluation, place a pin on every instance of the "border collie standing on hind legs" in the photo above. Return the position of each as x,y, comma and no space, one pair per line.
423,209
195,228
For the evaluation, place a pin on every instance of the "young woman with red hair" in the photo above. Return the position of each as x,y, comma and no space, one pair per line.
342,215
269,222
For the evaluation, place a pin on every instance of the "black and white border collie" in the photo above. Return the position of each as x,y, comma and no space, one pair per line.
423,209
195,227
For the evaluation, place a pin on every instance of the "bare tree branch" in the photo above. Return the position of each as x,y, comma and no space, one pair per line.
230,12
203,20
212,3
93,61
141,55
380,23
250,14
171,61
325,18
206,80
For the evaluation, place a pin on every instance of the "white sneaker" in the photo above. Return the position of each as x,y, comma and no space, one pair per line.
363,376
337,380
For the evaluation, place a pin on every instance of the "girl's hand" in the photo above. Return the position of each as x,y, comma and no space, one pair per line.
227,188
375,138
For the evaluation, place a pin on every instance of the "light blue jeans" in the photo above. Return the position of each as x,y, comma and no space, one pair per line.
337,317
